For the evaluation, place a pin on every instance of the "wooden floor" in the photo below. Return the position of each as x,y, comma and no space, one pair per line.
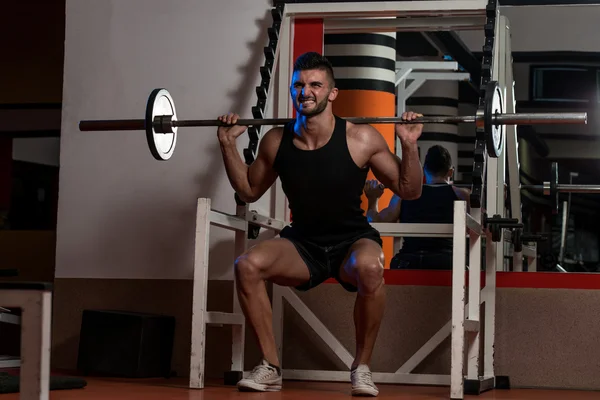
175,389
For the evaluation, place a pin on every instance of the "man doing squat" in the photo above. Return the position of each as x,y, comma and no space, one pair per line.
322,161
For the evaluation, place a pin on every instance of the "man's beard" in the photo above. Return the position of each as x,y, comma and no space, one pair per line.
318,109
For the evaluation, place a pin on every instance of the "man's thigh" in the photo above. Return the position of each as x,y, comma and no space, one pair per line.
277,261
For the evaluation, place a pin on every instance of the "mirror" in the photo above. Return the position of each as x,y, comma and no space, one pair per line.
437,72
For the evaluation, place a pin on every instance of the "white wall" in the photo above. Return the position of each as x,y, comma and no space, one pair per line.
547,28
121,213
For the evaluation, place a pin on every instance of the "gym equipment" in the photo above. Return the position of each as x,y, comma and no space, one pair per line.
518,238
35,301
145,344
496,223
494,132
553,188
550,189
161,123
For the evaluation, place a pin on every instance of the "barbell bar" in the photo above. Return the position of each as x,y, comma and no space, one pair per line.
161,123
165,124
571,188
549,188
546,188
552,188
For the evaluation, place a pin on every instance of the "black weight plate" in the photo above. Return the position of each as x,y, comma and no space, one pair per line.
517,240
496,232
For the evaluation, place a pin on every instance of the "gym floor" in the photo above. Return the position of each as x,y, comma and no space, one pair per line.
175,389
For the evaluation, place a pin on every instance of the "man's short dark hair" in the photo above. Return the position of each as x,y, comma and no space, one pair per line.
438,161
314,60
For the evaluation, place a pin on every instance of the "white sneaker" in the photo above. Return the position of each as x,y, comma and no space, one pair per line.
362,382
263,378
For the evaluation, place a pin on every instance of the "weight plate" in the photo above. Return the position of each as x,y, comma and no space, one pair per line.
517,240
494,134
161,145
554,187
496,232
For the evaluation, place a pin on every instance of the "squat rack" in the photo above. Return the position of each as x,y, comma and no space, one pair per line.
359,17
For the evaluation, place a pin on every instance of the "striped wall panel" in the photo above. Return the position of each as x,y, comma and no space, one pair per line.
364,66
438,98
363,61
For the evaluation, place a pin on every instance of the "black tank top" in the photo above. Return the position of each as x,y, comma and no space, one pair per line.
323,187
436,205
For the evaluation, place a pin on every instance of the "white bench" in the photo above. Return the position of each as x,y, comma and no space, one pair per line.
35,301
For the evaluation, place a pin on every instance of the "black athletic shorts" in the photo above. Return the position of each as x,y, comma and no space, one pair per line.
324,262
433,260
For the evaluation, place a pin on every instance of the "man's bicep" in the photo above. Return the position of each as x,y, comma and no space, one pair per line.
385,165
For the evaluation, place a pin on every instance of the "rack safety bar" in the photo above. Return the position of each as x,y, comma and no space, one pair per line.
239,223
394,229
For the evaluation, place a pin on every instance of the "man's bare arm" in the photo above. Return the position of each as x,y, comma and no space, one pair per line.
251,182
403,177
463,194
389,214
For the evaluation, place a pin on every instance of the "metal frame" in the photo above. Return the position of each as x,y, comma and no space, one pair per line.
463,224
512,152
8,318
424,9
36,305
418,72
201,317
425,24
465,227
465,320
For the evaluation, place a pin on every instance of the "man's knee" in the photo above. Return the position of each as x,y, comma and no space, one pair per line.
368,270
249,267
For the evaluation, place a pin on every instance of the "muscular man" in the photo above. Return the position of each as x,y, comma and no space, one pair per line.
322,161
436,205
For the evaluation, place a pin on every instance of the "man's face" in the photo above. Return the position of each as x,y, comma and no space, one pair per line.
311,91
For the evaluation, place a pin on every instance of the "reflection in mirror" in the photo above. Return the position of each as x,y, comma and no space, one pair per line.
438,71
436,205
556,70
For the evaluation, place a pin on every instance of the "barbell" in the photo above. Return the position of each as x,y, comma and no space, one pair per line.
547,188
551,188
161,123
